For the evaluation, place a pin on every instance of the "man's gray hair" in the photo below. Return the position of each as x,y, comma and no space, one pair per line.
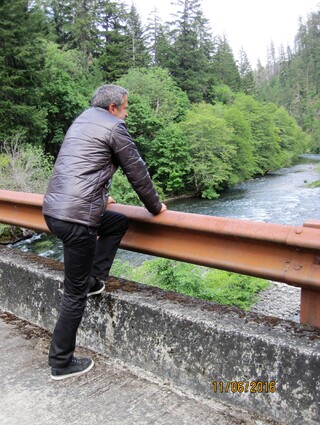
107,94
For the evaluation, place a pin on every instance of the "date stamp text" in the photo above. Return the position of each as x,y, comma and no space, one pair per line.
244,387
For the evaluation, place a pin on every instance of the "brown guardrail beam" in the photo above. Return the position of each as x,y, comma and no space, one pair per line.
289,254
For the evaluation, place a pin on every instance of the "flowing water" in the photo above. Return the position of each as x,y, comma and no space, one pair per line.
280,197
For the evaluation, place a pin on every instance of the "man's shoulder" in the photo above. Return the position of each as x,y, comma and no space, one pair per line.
100,116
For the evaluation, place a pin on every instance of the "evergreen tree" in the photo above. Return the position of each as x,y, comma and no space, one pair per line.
163,49
247,82
189,63
113,47
272,65
59,15
22,55
138,55
83,31
292,80
158,40
224,66
283,67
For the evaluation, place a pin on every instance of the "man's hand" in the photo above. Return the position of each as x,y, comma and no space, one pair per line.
111,200
164,208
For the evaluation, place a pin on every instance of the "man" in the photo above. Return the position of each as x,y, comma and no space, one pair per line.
96,144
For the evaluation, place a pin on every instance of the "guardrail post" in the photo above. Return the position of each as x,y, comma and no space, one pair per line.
310,300
310,308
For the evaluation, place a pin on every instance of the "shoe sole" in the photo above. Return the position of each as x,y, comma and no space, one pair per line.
70,375
96,292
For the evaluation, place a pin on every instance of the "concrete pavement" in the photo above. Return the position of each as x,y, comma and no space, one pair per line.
110,394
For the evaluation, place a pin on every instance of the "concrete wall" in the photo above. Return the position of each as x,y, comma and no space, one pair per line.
188,342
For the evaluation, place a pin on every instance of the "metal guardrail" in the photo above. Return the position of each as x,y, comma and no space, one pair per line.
289,254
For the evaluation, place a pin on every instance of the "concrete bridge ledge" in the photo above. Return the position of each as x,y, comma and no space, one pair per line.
215,352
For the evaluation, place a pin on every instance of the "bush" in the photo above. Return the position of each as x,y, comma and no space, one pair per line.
233,289
200,282
24,167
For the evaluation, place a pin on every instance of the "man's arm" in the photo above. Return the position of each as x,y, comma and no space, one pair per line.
129,159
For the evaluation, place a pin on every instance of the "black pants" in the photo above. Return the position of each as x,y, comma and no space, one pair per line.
85,256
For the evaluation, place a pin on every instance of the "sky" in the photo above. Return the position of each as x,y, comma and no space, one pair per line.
247,24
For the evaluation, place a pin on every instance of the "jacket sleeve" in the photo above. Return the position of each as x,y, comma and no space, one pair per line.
128,158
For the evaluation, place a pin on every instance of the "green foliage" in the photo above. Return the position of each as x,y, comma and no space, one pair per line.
233,289
166,100
21,71
277,139
208,284
170,159
211,151
4,231
66,91
221,94
191,48
154,102
292,140
142,123
224,67
244,161
122,191
292,79
10,234
170,275
55,53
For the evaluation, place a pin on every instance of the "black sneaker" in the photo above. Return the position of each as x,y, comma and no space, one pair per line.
76,367
97,288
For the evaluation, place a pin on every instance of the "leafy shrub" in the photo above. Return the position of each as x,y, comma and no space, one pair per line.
233,288
200,282
24,167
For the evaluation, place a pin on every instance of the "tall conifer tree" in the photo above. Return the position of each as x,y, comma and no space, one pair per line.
189,63
246,74
224,66
113,42
22,54
158,40
138,55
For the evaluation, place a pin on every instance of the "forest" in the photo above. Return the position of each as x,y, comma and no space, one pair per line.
202,119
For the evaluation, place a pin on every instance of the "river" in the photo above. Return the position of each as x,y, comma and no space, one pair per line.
282,197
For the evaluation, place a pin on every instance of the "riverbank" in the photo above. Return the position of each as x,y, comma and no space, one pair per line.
279,300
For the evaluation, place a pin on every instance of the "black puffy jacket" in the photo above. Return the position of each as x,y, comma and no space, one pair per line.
94,146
